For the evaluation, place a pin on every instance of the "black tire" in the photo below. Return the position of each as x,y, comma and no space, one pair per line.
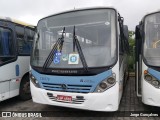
24,92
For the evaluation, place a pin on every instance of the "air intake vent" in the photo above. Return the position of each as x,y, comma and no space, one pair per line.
67,87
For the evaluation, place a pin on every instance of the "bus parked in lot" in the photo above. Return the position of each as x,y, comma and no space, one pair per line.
15,45
79,59
148,59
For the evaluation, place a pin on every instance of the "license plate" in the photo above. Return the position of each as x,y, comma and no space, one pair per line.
64,98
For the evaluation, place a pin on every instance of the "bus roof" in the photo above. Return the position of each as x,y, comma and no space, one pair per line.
86,8
16,21
149,13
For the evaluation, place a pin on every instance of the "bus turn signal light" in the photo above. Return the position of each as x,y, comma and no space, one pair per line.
145,72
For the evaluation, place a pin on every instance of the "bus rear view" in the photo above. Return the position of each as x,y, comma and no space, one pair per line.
148,59
75,60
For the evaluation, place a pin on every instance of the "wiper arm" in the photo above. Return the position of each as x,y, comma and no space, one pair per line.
58,44
77,44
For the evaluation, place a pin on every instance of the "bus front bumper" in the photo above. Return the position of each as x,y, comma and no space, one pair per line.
106,101
150,94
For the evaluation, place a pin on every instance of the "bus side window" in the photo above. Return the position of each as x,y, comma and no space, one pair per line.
6,45
5,42
24,39
29,36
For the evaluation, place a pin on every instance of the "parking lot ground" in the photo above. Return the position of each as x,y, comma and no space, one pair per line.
130,104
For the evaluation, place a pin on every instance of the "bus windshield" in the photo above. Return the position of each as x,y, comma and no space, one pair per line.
95,31
6,45
152,40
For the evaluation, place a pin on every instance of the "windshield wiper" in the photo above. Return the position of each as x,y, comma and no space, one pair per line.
57,45
80,52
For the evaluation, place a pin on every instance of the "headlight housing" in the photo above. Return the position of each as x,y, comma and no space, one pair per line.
34,80
151,79
106,84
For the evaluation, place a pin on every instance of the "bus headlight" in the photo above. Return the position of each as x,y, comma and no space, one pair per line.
105,84
148,77
155,83
111,80
151,79
34,80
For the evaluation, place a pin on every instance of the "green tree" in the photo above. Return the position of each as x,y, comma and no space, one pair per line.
131,39
131,52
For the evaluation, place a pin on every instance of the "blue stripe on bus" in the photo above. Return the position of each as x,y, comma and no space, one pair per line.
154,73
84,84
17,70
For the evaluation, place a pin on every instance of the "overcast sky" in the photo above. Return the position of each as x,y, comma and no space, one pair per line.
31,11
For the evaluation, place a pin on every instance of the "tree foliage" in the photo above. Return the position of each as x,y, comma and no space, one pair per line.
132,52
131,39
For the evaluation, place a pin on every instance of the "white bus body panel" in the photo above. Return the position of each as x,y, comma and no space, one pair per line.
150,94
121,71
106,101
9,82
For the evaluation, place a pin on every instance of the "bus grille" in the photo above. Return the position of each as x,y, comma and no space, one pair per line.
69,88
77,100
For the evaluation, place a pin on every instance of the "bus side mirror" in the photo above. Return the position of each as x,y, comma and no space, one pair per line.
137,34
137,41
126,33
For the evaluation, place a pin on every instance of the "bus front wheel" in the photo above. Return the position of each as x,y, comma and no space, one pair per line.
25,93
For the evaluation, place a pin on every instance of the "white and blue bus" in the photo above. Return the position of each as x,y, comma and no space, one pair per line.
148,59
15,46
79,59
